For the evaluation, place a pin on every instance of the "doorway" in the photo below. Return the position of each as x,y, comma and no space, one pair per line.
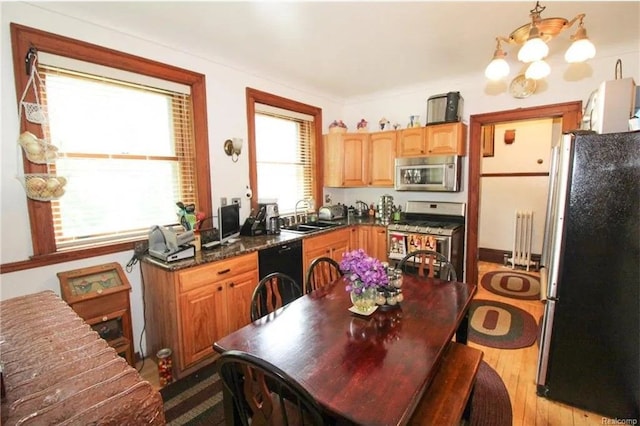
570,112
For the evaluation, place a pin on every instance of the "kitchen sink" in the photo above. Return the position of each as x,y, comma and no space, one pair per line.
306,228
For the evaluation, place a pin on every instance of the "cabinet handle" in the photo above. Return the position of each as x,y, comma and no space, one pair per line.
232,284
224,271
220,288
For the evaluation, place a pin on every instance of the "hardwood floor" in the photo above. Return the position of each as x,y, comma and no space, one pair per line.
517,367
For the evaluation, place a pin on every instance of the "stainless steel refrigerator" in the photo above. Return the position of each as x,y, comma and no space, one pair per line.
589,353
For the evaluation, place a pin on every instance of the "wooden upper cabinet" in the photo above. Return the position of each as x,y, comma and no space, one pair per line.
412,142
344,159
382,154
446,139
438,139
356,154
359,159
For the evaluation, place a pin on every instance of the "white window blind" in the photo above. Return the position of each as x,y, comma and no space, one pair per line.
285,158
127,151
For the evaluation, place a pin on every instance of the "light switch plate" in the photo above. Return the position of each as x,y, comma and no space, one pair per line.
223,201
237,201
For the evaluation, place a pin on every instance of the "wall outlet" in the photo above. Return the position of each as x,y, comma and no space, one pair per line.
236,201
223,201
327,198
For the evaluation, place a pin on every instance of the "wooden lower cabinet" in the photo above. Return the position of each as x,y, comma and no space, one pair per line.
331,244
378,242
188,310
372,239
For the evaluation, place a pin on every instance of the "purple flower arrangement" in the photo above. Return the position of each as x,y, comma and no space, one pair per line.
362,271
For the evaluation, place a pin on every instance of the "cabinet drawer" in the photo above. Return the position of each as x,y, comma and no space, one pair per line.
217,271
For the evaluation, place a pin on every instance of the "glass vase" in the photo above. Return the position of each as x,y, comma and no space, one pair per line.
364,301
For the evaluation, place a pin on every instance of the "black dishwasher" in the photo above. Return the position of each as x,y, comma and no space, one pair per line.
285,258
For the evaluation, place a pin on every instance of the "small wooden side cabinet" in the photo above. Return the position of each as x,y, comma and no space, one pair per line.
100,296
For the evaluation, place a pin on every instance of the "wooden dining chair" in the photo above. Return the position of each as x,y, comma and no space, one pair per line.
322,271
263,394
428,263
273,292
432,264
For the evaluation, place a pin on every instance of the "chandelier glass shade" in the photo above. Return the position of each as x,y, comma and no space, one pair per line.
533,38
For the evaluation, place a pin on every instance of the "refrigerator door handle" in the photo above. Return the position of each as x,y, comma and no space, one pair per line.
544,283
561,192
551,203
545,343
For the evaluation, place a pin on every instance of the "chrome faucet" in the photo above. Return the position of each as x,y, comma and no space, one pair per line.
295,211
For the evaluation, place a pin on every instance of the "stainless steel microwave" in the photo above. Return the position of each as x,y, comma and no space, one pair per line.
428,174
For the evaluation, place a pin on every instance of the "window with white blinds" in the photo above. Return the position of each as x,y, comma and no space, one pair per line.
285,147
127,151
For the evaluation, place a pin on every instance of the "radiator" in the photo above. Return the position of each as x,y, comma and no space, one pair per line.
522,236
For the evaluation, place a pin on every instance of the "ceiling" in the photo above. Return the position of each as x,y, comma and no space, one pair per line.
347,49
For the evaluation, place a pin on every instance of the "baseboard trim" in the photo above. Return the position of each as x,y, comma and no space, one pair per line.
491,255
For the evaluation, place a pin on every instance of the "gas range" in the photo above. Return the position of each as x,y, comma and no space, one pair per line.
435,228
427,217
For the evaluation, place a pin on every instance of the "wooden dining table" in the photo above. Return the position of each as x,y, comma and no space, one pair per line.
366,370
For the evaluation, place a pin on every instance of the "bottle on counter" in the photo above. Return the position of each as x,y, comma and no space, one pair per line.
396,213
372,211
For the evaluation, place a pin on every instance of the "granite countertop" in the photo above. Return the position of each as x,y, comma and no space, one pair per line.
246,245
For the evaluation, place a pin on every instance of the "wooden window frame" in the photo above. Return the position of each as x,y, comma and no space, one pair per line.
40,216
256,96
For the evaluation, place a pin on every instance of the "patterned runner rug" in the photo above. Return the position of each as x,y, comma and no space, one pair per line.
196,400
500,325
512,284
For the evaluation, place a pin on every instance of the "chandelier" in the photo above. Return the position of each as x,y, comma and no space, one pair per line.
533,38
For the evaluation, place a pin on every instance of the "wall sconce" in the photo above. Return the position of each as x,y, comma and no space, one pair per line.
233,148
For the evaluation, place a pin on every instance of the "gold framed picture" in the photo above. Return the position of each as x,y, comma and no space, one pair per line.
94,281
487,140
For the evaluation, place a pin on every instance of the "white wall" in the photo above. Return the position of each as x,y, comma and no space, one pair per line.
501,196
226,118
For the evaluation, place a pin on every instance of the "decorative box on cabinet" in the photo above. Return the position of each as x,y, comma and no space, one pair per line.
100,296
189,309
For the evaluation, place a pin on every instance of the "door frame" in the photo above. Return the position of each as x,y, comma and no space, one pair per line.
571,114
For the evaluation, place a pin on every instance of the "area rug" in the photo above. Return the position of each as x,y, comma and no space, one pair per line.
490,405
512,284
196,400
500,325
